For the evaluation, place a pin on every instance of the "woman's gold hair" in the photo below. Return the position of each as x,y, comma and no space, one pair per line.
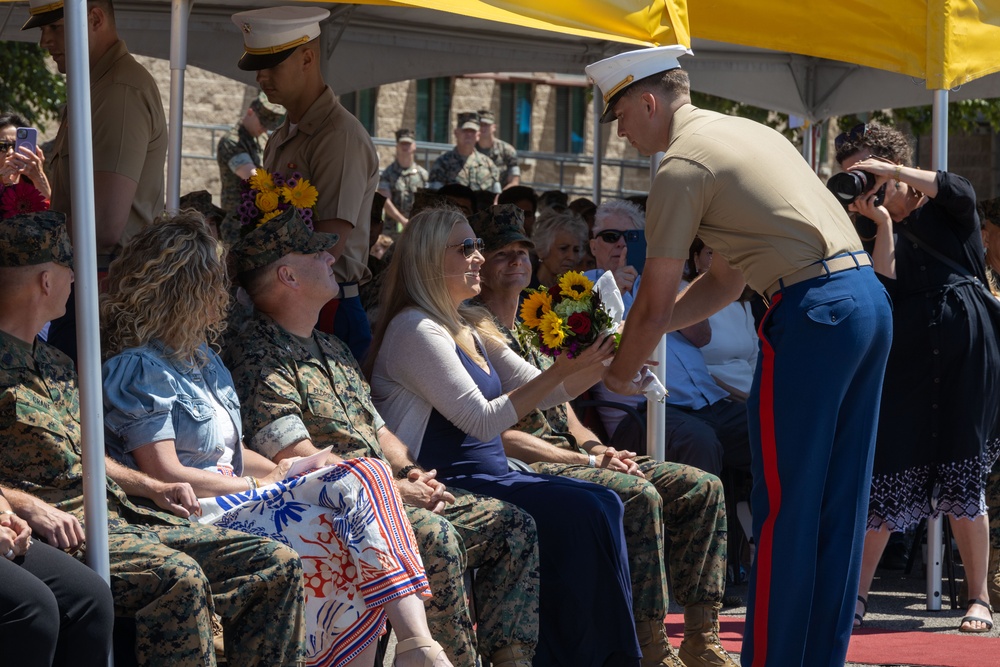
169,284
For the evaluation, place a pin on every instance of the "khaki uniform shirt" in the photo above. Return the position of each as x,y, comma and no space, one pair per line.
287,394
475,171
40,431
331,148
504,156
749,195
129,135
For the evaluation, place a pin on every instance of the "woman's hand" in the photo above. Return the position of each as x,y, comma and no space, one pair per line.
279,472
865,205
597,353
27,163
15,535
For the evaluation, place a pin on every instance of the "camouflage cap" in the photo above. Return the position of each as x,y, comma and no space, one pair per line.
405,134
281,235
486,117
35,238
270,114
500,225
468,120
989,210
201,201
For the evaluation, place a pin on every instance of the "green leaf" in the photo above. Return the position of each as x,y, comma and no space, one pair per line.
27,86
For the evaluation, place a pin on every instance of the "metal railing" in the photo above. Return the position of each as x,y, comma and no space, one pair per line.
427,152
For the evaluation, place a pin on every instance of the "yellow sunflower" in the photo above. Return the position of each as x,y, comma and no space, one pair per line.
551,328
262,181
574,285
267,201
534,307
303,195
267,216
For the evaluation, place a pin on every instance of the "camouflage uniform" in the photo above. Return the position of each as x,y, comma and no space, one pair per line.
289,395
403,184
689,501
236,148
170,575
476,171
504,156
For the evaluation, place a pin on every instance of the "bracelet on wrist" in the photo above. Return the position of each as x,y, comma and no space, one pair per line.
252,482
404,472
592,461
899,169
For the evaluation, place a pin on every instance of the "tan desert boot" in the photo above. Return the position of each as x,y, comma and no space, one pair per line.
701,646
656,649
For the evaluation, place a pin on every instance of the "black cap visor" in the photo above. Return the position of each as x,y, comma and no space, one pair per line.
45,18
254,62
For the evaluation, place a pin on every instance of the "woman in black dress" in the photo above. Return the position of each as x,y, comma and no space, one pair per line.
937,435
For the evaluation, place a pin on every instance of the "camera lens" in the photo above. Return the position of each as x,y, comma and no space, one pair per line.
850,185
21,133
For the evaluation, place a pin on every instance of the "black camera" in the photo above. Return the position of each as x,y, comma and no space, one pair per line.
849,185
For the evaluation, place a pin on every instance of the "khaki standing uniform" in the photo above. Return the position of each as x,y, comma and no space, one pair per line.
289,393
130,138
331,148
172,576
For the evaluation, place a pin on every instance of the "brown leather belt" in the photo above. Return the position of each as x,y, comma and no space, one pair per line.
822,268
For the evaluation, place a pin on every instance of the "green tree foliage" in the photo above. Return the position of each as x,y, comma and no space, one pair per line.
27,86
963,116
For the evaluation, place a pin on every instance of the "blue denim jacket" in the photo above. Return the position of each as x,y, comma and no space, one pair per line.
148,398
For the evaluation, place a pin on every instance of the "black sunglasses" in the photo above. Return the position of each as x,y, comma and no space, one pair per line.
5,146
855,136
470,246
609,235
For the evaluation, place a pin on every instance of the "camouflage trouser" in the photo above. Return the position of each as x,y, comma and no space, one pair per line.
499,541
172,579
691,505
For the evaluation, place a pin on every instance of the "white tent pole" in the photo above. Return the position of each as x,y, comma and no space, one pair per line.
85,265
656,413
598,155
180,10
939,160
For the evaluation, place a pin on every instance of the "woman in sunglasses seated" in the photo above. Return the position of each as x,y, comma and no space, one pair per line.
446,382
938,423
171,411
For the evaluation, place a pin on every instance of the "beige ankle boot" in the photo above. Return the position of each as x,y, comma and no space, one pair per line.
515,655
656,649
701,646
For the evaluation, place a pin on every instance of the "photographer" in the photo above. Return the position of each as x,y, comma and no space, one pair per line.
937,431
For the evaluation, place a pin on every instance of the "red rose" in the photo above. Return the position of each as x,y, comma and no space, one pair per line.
579,323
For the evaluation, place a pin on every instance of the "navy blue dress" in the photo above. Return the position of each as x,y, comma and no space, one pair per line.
585,590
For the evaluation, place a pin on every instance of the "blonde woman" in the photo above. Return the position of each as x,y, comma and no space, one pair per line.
172,412
449,389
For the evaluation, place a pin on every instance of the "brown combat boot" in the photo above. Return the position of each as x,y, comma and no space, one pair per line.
701,646
515,655
656,649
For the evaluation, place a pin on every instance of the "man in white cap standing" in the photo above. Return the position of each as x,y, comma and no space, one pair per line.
747,192
324,143
129,140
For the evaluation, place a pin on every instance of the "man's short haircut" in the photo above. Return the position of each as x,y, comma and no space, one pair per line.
256,280
619,207
673,84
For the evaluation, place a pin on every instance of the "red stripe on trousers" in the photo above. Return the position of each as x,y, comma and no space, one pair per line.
769,457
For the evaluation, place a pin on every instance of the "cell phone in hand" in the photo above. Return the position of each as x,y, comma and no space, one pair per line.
27,137
635,245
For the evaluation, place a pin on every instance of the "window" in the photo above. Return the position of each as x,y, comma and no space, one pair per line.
433,110
515,114
571,114
362,104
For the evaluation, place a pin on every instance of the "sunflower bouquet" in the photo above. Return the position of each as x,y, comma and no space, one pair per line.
266,195
568,318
